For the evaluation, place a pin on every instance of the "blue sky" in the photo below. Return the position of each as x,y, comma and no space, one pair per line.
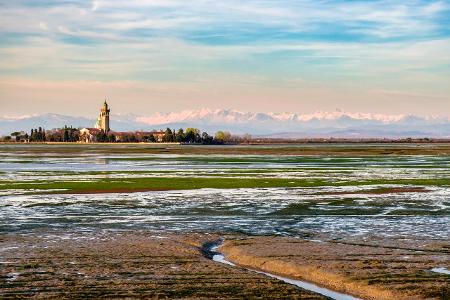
278,55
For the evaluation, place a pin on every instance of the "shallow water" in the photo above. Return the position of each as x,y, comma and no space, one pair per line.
218,257
441,271
250,211
297,212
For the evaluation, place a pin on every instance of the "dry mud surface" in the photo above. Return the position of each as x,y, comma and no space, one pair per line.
338,149
377,269
130,265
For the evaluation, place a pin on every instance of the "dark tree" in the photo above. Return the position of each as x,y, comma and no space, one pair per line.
102,137
207,139
111,138
168,136
192,135
66,136
180,137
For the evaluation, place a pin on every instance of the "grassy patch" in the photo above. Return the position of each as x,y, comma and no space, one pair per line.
158,183
189,183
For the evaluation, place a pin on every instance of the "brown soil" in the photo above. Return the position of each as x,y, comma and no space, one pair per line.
369,271
300,149
127,265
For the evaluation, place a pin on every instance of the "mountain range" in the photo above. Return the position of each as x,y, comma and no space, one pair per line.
286,125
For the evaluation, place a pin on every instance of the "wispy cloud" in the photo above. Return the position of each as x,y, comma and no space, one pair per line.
374,45
372,19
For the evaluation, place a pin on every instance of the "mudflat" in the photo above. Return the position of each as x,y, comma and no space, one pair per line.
334,149
129,221
131,265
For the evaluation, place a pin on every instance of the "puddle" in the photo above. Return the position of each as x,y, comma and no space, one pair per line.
12,276
441,271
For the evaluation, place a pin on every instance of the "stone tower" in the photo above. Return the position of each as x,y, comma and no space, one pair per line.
104,118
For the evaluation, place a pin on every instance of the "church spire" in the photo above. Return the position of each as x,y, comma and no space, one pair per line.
105,106
104,117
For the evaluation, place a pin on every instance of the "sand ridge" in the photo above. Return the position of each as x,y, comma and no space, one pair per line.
364,271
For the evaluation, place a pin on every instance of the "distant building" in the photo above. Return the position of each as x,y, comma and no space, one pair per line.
138,136
103,119
122,137
142,135
89,135
21,137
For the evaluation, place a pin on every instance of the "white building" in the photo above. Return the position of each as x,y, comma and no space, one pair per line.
89,135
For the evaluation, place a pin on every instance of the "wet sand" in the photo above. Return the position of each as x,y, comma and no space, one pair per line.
374,269
127,265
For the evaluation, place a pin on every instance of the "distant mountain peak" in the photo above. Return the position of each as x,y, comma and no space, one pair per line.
336,123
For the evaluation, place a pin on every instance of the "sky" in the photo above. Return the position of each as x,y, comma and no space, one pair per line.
147,56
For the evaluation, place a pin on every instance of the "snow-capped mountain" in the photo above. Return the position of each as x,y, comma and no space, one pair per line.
289,125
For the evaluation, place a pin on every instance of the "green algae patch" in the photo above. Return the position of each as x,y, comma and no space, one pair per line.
186,183
124,185
156,184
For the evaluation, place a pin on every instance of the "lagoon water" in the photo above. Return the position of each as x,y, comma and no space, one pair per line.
335,211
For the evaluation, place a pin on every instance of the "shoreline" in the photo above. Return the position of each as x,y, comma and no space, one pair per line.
341,149
264,141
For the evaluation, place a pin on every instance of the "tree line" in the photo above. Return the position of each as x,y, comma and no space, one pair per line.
185,136
188,136
36,135
193,136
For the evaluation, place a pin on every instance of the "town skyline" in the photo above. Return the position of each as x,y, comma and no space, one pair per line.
380,57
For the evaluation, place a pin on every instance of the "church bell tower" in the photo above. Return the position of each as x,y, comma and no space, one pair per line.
104,118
